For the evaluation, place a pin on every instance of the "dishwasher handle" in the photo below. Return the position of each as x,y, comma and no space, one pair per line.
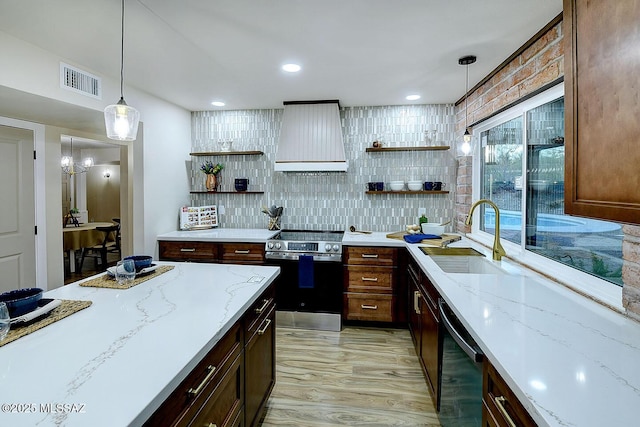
474,353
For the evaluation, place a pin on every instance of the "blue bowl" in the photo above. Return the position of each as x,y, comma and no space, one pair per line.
141,261
21,301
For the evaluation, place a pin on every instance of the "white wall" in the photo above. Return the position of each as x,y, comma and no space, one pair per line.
156,162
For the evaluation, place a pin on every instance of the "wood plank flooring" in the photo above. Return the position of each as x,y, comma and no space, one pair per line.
357,377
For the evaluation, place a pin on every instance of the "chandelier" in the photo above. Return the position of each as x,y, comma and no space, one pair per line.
71,168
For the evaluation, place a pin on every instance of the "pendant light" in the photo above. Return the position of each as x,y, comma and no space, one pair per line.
466,138
121,120
71,168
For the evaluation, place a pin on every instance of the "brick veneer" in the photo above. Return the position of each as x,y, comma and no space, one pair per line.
538,65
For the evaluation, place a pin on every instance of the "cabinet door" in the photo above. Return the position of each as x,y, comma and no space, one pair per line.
429,350
602,109
414,307
260,368
501,407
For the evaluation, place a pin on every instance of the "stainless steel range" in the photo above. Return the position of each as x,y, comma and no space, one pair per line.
309,288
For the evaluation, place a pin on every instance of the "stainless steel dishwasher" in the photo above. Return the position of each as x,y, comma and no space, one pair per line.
460,373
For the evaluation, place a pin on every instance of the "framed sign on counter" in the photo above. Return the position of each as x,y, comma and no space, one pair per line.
198,217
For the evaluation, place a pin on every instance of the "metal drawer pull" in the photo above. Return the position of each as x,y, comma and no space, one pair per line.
369,255
369,279
263,330
187,249
243,251
369,307
416,301
264,306
500,404
197,390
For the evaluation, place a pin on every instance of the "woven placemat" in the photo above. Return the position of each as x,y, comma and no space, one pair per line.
66,308
107,281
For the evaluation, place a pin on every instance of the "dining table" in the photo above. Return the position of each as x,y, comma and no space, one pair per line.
81,236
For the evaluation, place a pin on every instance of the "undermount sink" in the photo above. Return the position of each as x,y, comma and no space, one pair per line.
462,260
466,264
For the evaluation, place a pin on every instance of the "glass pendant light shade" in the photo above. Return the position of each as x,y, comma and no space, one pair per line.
121,121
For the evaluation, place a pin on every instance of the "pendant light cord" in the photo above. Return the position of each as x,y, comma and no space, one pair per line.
466,95
122,52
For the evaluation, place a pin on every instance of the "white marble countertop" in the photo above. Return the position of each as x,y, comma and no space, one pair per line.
119,359
242,235
570,360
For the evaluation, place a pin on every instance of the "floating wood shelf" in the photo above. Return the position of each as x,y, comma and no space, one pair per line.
407,192
425,148
227,153
226,192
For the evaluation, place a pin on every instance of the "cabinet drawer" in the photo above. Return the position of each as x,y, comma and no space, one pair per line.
258,311
242,253
369,307
501,406
223,407
188,251
370,279
371,256
187,399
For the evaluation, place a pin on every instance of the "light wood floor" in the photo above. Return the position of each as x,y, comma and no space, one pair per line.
357,377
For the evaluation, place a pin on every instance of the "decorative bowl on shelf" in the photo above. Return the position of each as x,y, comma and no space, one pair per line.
21,301
396,185
414,185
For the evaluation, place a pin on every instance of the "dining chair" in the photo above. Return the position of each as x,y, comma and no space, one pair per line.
117,248
99,252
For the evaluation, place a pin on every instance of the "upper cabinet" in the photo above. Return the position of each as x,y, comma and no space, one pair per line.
602,109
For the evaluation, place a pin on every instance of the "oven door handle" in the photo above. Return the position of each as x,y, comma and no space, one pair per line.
469,350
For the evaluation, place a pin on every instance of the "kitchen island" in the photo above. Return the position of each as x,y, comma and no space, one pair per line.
115,362
569,360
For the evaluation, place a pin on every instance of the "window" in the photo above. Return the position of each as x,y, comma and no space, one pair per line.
521,166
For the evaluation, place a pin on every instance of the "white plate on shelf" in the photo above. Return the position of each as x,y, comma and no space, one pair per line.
43,309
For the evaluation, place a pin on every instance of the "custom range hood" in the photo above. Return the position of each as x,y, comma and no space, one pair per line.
311,138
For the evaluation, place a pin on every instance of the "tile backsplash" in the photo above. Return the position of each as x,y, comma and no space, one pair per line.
330,200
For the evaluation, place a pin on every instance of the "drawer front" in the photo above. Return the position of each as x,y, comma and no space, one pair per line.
242,253
371,256
257,313
370,279
188,251
500,402
189,396
377,308
223,407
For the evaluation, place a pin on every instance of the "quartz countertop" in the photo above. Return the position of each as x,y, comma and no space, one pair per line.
242,235
115,362
570,360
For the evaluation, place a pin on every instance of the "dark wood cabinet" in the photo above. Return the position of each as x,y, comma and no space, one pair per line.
602,109
424,323
188,251
371,285
260,367
242,253
500,407
230,386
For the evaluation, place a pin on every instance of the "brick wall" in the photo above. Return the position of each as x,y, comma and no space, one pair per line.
538,65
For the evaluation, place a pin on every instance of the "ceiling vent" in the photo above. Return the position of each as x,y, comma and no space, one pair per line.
80,81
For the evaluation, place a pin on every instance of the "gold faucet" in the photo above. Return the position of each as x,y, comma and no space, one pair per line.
498,250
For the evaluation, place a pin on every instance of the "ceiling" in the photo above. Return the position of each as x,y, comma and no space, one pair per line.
362,52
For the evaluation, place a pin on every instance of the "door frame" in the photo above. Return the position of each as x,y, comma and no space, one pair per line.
39,194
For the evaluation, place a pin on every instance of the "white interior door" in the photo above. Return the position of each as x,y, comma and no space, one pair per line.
17,209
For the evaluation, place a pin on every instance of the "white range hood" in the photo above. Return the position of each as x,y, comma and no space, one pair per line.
311,138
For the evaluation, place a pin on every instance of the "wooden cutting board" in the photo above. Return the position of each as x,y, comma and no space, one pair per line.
445,240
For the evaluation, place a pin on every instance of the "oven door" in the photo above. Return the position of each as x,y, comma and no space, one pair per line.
309,307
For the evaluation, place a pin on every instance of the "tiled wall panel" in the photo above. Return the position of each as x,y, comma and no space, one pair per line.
334,200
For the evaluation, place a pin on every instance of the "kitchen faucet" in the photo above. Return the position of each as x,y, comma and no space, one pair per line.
498,250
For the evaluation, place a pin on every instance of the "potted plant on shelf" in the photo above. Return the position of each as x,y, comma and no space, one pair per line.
212,171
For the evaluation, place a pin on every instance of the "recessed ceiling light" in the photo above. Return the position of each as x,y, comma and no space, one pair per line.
291,68
413,97
218,104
